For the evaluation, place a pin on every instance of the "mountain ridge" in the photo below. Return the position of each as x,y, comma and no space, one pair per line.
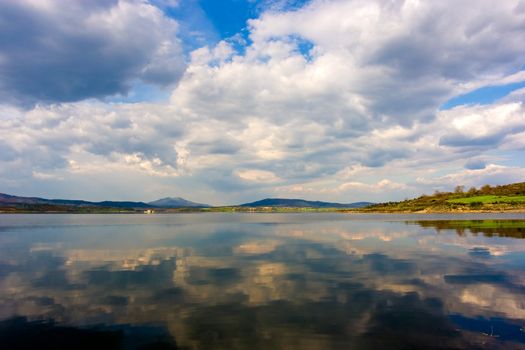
176,202
8,199
169,202
302,203
11,200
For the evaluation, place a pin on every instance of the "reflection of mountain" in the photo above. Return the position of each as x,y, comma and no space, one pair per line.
489,228
261,285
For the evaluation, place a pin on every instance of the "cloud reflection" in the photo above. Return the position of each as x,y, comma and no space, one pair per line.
321,285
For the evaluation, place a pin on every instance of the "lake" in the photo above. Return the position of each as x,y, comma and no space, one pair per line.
262,281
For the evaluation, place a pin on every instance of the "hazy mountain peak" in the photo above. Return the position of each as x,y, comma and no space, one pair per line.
175,202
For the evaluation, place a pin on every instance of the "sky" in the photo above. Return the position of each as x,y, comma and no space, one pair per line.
230,101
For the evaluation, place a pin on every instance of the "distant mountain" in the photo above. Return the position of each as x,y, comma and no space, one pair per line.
9,200
301,203
176,202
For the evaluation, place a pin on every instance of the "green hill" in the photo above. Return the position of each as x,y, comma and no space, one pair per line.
486,198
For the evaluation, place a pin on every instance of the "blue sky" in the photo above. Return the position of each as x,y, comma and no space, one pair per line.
231,101
229,17
483,95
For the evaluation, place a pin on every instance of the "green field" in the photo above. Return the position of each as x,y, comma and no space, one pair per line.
488,199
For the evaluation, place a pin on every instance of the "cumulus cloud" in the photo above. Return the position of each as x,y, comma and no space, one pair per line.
354,115
58,51
405,57
481,126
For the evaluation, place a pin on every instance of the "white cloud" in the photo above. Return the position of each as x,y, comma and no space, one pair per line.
354,118
255,175
406,57
481,125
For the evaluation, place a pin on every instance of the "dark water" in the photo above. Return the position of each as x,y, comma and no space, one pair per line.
262,281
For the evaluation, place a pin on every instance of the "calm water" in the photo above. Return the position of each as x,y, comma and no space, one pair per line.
262,281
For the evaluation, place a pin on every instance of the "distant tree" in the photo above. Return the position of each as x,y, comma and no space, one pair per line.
459,189
472,190
486,189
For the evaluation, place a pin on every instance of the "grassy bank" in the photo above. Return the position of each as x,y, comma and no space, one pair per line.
486,199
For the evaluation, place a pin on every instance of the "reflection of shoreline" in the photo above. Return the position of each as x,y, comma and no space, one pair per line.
489,228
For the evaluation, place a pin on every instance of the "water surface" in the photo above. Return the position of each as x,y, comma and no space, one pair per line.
263,281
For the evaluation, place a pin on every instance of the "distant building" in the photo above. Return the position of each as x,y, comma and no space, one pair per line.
149,211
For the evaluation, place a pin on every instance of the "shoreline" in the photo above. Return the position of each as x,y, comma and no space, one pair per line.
285,211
